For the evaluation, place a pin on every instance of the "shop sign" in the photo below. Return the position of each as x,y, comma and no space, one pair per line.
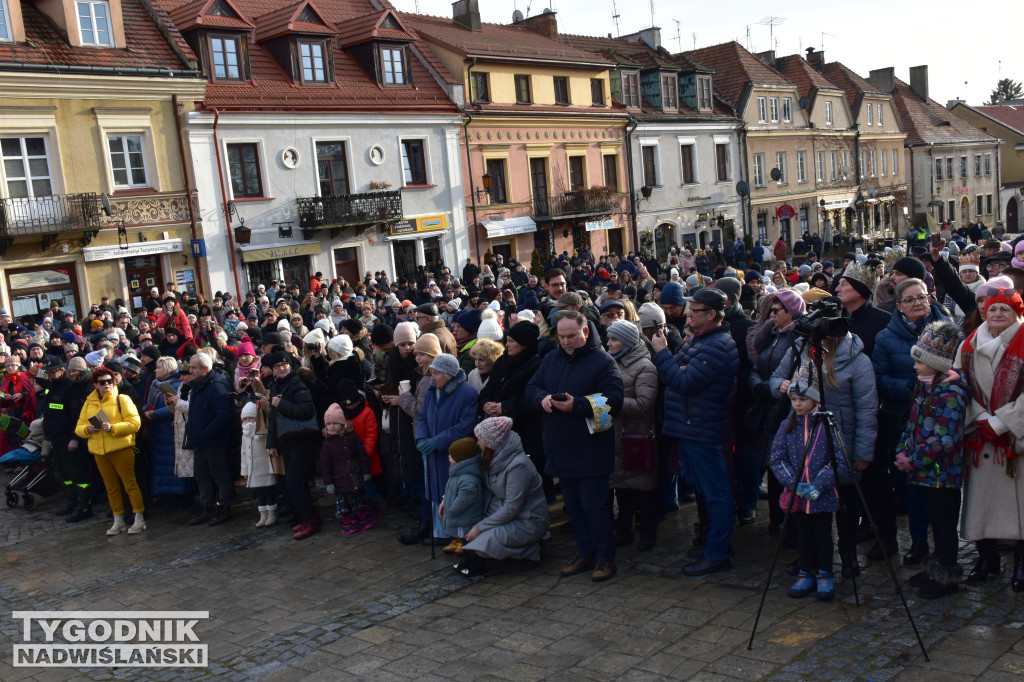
785,212
39,279
433,223
594,225
274,252
94,253
403,227
837,204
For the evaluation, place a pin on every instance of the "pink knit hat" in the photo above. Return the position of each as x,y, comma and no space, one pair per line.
334,415
791,301
245,347
405,331
493,431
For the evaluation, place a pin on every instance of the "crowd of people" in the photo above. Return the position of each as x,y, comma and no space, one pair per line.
624,385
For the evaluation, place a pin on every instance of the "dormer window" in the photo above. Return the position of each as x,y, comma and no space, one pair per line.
392,61
5,26
704,93
94,23
225,57
313,56
669,93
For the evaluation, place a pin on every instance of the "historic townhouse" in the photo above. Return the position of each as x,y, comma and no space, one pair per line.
952,164
326,141
543,147
682,142
776,140
1005,121
882,182
95,199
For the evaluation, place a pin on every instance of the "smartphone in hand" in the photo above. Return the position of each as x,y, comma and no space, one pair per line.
560,397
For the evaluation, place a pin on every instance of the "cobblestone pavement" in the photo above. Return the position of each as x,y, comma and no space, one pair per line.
365,607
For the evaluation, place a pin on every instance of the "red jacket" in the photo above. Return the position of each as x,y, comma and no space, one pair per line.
365,426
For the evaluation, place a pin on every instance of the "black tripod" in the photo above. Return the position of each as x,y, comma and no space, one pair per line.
834,442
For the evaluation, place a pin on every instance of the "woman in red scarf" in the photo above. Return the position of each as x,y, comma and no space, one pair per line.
17,400
992,359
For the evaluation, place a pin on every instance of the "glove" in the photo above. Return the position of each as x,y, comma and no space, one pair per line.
987,432
330,489
808,491
425,446
903,462
366,478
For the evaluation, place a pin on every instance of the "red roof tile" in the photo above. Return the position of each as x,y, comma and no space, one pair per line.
928,122
622,52
852,84
369,27
193,13
1010,115
514,41
734,68
146,49
805,77
285,20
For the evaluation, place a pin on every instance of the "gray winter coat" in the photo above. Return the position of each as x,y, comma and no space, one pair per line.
854,401
640,393
463,497
517,515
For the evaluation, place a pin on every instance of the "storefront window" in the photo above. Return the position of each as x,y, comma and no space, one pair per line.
432,252
296,271
405,258
260,272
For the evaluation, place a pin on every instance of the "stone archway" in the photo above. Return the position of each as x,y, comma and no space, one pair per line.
965,211
664,236
1012,225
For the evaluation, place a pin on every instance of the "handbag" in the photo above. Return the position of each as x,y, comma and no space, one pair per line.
290,426
640,450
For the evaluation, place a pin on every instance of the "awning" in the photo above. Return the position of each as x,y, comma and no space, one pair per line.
509,226
253,253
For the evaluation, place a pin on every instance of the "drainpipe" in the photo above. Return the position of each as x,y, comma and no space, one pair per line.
750,186
469,160
633,123
224,199
188,183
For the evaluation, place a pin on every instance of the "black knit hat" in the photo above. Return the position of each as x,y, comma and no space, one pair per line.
524,333
382,334
353,326
911,267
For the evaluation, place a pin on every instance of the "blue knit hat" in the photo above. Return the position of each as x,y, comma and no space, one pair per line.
672,294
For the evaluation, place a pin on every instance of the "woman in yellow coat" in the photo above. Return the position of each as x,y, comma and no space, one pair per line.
112,444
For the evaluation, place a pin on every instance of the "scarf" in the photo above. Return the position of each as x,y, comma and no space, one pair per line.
1008,384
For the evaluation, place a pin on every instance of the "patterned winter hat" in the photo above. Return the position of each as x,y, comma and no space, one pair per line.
493,431
805,383
463,449
937,344
892,255
861,277
446,364
970,260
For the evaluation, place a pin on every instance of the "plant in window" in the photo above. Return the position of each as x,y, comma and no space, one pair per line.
535,266
647,241
379,185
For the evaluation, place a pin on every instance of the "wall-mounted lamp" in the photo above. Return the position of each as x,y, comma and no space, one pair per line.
243,235
122,231
284,229
488,187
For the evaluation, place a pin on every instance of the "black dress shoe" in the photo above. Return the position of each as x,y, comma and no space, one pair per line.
918,551
706,566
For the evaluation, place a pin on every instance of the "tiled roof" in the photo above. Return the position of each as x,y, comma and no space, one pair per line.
574,110
285,20
624,53
355,89
515,41
852,84
928,122
430,58
363,29
1010,115
734,68
193,13
147,48
805,77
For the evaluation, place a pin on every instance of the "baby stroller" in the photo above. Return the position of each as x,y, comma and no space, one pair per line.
35,468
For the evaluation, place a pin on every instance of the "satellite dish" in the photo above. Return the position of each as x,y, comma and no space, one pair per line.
105,202
804,102
547,10
776,174
517,16
742,188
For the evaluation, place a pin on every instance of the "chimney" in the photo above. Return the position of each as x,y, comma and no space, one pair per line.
544,23
767,57
816,57
649,36
883,79
466,13
919,81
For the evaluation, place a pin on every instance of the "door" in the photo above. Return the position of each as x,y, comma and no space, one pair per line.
405,259
539,185
615,242
965,211
1011,216
432,252
27,171
346,264
503,248
580,238
143,273
663,239
332,167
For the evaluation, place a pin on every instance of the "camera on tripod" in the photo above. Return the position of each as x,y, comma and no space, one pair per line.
824,320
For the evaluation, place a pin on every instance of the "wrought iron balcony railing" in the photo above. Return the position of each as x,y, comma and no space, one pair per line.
573,204
349,209
52,214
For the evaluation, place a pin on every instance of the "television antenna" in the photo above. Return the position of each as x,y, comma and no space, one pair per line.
616,18
771,23
679,36
652,13
694,40
823,34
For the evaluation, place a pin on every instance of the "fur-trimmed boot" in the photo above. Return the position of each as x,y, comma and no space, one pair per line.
942,580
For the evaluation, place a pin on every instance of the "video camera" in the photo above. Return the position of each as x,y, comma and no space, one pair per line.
824,320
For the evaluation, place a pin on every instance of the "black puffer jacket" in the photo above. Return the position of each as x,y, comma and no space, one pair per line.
296,403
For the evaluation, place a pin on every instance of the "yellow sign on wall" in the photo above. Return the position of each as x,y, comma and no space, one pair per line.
431,223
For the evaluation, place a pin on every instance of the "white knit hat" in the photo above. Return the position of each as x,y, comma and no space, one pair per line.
342,345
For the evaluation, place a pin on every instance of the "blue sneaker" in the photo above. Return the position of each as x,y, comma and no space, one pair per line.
826,588
804,585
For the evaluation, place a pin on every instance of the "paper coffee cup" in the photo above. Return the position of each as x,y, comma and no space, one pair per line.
404,385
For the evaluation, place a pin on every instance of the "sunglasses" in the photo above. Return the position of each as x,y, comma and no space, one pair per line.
104,382
1008,293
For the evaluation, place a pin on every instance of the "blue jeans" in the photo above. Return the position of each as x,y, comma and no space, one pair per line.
705,465
586,501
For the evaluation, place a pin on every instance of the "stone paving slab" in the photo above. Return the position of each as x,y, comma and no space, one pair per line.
365,607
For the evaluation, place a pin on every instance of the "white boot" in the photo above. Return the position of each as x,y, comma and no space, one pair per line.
138,526
271,516
263,517
119,525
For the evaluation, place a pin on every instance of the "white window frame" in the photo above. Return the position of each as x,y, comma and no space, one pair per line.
427,171
759,176
885,163
895,161
846,162
127,161
27,177
834,158
774,109
828,112
819,166
874,163
324,69
659,175
988,164
690,142
134,121
762,109
977,165
940,165
314,171
870,113
780,163
669,91
389,60
787,109
6,31
801,166
705,98
863,164
879,119
634,101
93,28
723,140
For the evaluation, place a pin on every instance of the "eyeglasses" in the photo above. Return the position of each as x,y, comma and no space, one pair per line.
776,311
701,310
1008,293
916,299
283,365
104,382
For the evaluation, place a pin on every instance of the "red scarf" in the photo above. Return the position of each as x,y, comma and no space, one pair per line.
1009,383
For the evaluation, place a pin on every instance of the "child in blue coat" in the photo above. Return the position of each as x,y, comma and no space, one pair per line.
463,503
810,487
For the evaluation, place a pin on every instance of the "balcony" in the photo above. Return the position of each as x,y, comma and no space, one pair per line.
584,203
347,210
47,215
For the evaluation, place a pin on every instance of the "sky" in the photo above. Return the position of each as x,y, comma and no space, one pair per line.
870,34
